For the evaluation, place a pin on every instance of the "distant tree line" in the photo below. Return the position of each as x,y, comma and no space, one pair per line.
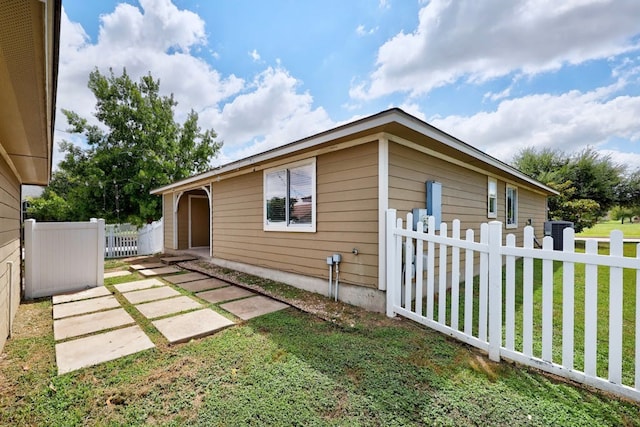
590,184
137,147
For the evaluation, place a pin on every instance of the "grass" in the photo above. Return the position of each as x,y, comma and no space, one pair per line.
290,368
604,228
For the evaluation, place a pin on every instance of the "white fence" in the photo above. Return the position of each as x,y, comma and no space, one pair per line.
62,256
123,240
151,238
412,261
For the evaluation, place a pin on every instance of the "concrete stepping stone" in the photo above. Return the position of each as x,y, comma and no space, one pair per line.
159,271
95,349
120,273
224,294
151,294
203,285
154,309
98,291
84,307
137,285
178,258
248,308
195,324
183,278
146,266
89,323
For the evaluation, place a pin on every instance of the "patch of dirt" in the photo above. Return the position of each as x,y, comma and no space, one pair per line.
32,321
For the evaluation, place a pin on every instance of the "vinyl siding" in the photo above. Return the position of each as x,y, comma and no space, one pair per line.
464,192
168,220
9,247
346,218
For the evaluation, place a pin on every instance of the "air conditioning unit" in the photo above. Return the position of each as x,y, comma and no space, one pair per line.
555,229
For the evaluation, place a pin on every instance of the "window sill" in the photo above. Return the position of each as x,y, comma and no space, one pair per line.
309,229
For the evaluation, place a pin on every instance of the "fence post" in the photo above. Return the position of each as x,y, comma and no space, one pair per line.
29,254
495,290
390,261
100,254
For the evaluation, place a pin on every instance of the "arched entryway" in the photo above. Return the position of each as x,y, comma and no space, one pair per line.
192,219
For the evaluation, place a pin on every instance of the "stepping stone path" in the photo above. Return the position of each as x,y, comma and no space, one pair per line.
111,274
91,327
192,325
249,308
176,259
159,271
147,266
203,285
183,278
225,294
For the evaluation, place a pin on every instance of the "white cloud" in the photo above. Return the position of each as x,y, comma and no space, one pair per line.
270,114
476,41
249,116
568,122
497,96
158,39
254,55
362,31
384,4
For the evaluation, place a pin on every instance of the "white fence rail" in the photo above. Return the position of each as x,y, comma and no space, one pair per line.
471,273
124,240
62,256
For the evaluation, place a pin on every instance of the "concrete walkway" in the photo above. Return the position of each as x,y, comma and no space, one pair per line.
91,326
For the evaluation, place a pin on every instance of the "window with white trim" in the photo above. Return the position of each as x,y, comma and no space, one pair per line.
492,198
290,197
512,207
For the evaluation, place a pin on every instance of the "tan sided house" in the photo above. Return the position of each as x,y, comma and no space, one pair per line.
279,214
29,40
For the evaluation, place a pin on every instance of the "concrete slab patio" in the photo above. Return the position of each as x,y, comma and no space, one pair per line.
203,285
88,323
159,271
98,291
119,273
92,350
147,266
151,294
85,306
164,307
138,285
195,324
178,258
183,278
248,308
224,294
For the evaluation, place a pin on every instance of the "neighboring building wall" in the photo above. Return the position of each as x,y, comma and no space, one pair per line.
168,220
347,215
9,248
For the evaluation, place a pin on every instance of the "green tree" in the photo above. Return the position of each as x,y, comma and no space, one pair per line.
138,146
49,207
587,182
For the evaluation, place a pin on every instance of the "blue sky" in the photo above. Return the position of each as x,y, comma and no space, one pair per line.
499,75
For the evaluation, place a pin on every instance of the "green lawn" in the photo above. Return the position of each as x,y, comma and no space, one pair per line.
603,229
290,368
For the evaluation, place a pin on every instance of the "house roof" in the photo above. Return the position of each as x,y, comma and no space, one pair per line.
393,121
29,45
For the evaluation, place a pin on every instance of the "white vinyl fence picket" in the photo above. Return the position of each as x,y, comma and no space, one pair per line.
412,260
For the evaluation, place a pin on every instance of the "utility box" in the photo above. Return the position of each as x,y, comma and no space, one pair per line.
555,230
